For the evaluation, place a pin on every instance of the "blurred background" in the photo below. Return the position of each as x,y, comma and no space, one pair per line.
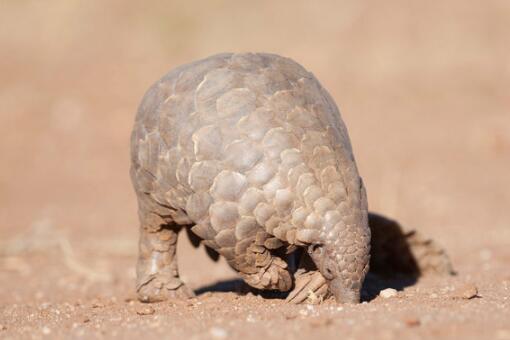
423,86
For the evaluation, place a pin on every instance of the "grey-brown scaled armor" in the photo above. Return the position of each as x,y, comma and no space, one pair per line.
250,153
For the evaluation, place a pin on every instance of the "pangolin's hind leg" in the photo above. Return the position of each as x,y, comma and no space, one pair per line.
157,271
309,284
262,263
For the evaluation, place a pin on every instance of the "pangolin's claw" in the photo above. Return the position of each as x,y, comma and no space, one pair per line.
160,288
309,287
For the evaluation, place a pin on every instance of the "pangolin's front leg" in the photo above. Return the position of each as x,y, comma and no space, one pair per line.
309,284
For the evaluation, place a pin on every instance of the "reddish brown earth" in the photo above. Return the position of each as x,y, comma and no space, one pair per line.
423,88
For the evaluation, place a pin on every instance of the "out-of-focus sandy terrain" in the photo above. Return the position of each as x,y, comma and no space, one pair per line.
424,88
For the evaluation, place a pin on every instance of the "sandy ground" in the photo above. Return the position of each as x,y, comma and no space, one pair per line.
423,88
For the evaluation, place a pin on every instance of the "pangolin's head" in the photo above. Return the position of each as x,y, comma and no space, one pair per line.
343,253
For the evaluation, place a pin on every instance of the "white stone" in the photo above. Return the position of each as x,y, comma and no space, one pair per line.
388,293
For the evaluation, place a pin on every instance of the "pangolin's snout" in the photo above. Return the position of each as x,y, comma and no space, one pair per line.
342,293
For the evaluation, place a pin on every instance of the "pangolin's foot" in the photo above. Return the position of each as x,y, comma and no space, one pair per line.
309,287
159,287
273,276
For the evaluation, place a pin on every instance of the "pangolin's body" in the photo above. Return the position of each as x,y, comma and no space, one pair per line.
250,152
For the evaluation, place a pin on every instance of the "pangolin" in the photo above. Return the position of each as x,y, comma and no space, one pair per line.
249,153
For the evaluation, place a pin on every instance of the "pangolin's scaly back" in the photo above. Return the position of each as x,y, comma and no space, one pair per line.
244,143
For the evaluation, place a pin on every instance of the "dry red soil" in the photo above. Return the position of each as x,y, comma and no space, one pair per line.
423,88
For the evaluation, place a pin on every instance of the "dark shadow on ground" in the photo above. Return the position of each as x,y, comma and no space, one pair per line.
392,262
233,285
238,286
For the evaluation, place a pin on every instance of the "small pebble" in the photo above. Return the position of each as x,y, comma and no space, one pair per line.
145,310
46,330
388,293
467,291
218,333
412,322
2,328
